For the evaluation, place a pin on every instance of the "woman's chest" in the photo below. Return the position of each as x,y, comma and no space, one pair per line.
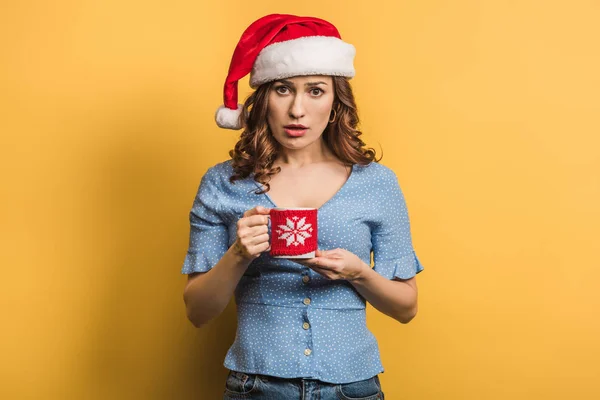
311,190
345,221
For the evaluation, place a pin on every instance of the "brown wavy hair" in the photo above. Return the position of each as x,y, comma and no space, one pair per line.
257,149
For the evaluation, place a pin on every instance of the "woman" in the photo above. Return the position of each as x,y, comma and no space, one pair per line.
301,323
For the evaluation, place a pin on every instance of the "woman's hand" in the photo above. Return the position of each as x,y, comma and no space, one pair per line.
252,233
335,264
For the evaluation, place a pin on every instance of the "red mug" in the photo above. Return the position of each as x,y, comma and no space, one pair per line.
293,232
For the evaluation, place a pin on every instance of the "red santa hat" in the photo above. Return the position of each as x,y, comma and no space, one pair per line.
279,46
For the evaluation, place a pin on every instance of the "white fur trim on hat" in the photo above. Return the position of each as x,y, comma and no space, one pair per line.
311,55
228,118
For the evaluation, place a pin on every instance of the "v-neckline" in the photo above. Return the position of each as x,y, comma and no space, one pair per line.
266,194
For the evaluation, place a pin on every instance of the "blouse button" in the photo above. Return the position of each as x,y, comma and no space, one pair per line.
305,278
306,301
306,325
307,352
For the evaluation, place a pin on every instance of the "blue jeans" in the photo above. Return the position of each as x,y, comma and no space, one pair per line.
262,387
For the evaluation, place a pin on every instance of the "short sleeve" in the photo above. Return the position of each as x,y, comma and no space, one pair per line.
209,236
393,253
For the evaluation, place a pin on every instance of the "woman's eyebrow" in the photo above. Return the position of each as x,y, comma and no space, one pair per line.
306,84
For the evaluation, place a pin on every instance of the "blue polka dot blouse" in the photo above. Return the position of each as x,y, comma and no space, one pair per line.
293,322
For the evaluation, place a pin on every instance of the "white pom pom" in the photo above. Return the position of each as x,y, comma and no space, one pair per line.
228,118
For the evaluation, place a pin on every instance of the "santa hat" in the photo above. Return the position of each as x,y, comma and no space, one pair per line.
279,46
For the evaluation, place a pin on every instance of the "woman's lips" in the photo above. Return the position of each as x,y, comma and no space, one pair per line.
295,132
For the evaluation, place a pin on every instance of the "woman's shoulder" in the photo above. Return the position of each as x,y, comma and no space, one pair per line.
220,172
223,166
375,171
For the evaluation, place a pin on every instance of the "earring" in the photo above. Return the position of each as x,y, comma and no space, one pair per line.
334,115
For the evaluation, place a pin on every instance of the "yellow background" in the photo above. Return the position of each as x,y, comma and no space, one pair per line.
486,110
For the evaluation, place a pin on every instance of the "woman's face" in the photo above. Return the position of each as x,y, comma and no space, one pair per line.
300,100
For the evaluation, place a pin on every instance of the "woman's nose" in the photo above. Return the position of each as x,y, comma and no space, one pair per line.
297,108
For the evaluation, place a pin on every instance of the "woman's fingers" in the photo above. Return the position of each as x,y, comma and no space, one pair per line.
252,232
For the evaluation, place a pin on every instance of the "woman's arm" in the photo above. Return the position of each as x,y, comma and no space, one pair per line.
395,298
207,294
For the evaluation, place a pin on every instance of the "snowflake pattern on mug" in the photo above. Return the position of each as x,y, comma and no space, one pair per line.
294,232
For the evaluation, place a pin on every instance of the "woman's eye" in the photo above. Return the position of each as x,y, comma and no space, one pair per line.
314,91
